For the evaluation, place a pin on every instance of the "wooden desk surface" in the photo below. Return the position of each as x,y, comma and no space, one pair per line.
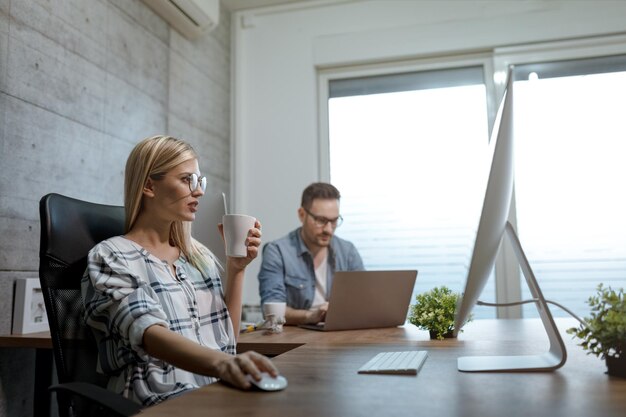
275,344
39,340
323,379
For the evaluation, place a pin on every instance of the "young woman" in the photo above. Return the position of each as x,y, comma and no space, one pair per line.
163,322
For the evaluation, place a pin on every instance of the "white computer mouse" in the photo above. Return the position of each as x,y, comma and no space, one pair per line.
268,383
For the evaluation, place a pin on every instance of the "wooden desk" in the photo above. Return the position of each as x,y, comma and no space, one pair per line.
42,343
293,337
323,379
39,340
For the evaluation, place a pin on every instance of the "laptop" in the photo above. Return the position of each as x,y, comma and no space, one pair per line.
367,299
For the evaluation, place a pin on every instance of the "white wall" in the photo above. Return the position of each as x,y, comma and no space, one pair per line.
278,51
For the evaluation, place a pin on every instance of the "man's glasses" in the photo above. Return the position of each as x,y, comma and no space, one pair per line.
194,181
321,221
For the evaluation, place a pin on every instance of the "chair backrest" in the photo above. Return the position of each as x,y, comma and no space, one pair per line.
69,229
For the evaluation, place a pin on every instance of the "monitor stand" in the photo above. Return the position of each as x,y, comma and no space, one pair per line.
553,359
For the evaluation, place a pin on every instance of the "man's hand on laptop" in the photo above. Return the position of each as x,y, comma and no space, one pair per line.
312,316
316,315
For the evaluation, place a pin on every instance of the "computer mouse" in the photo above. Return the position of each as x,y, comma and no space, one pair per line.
268,383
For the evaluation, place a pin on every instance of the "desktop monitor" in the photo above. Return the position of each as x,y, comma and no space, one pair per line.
493,225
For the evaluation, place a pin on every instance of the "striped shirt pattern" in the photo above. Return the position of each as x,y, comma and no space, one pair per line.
126,290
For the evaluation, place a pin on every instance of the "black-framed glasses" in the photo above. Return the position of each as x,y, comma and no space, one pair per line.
194,181
321,221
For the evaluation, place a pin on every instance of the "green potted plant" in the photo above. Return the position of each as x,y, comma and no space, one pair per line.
604,333
434,311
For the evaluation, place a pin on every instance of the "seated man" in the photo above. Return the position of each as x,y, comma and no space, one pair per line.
298,268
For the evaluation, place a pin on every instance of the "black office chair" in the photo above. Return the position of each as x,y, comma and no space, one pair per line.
69,229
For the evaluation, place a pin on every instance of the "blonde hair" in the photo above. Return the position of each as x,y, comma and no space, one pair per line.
152,158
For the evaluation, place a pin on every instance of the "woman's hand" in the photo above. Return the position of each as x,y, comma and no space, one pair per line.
253,243
235,368
163,343
235,268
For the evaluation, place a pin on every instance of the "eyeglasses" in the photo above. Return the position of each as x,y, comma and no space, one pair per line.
193,180
321,221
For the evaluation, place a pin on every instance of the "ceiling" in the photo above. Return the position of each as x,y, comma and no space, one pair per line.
234,5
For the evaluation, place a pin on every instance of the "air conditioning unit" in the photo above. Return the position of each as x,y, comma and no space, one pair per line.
191,18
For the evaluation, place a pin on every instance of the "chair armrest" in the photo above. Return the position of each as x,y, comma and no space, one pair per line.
120,405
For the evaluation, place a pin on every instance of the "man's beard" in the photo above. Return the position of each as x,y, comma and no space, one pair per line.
322,241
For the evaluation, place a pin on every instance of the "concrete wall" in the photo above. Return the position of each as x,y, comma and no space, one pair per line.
82,81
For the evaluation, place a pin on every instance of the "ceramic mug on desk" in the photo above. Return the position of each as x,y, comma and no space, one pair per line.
236,227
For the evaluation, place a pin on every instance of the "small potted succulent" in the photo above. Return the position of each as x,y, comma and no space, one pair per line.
604,333
434,311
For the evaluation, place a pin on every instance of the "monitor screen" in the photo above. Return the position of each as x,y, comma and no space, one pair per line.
491,228
495,209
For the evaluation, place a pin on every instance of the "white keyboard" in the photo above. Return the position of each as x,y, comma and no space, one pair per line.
403,363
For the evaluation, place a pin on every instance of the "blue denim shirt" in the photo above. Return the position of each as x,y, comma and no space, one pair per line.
287,272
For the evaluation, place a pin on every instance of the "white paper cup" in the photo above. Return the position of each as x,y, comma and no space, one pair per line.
274,315
276,308
236,228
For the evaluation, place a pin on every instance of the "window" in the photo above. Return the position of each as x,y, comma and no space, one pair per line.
406,153
570,175
404,149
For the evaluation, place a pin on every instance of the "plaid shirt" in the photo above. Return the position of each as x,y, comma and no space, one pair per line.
126,290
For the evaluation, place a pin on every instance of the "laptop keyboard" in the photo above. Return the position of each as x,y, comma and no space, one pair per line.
400,363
